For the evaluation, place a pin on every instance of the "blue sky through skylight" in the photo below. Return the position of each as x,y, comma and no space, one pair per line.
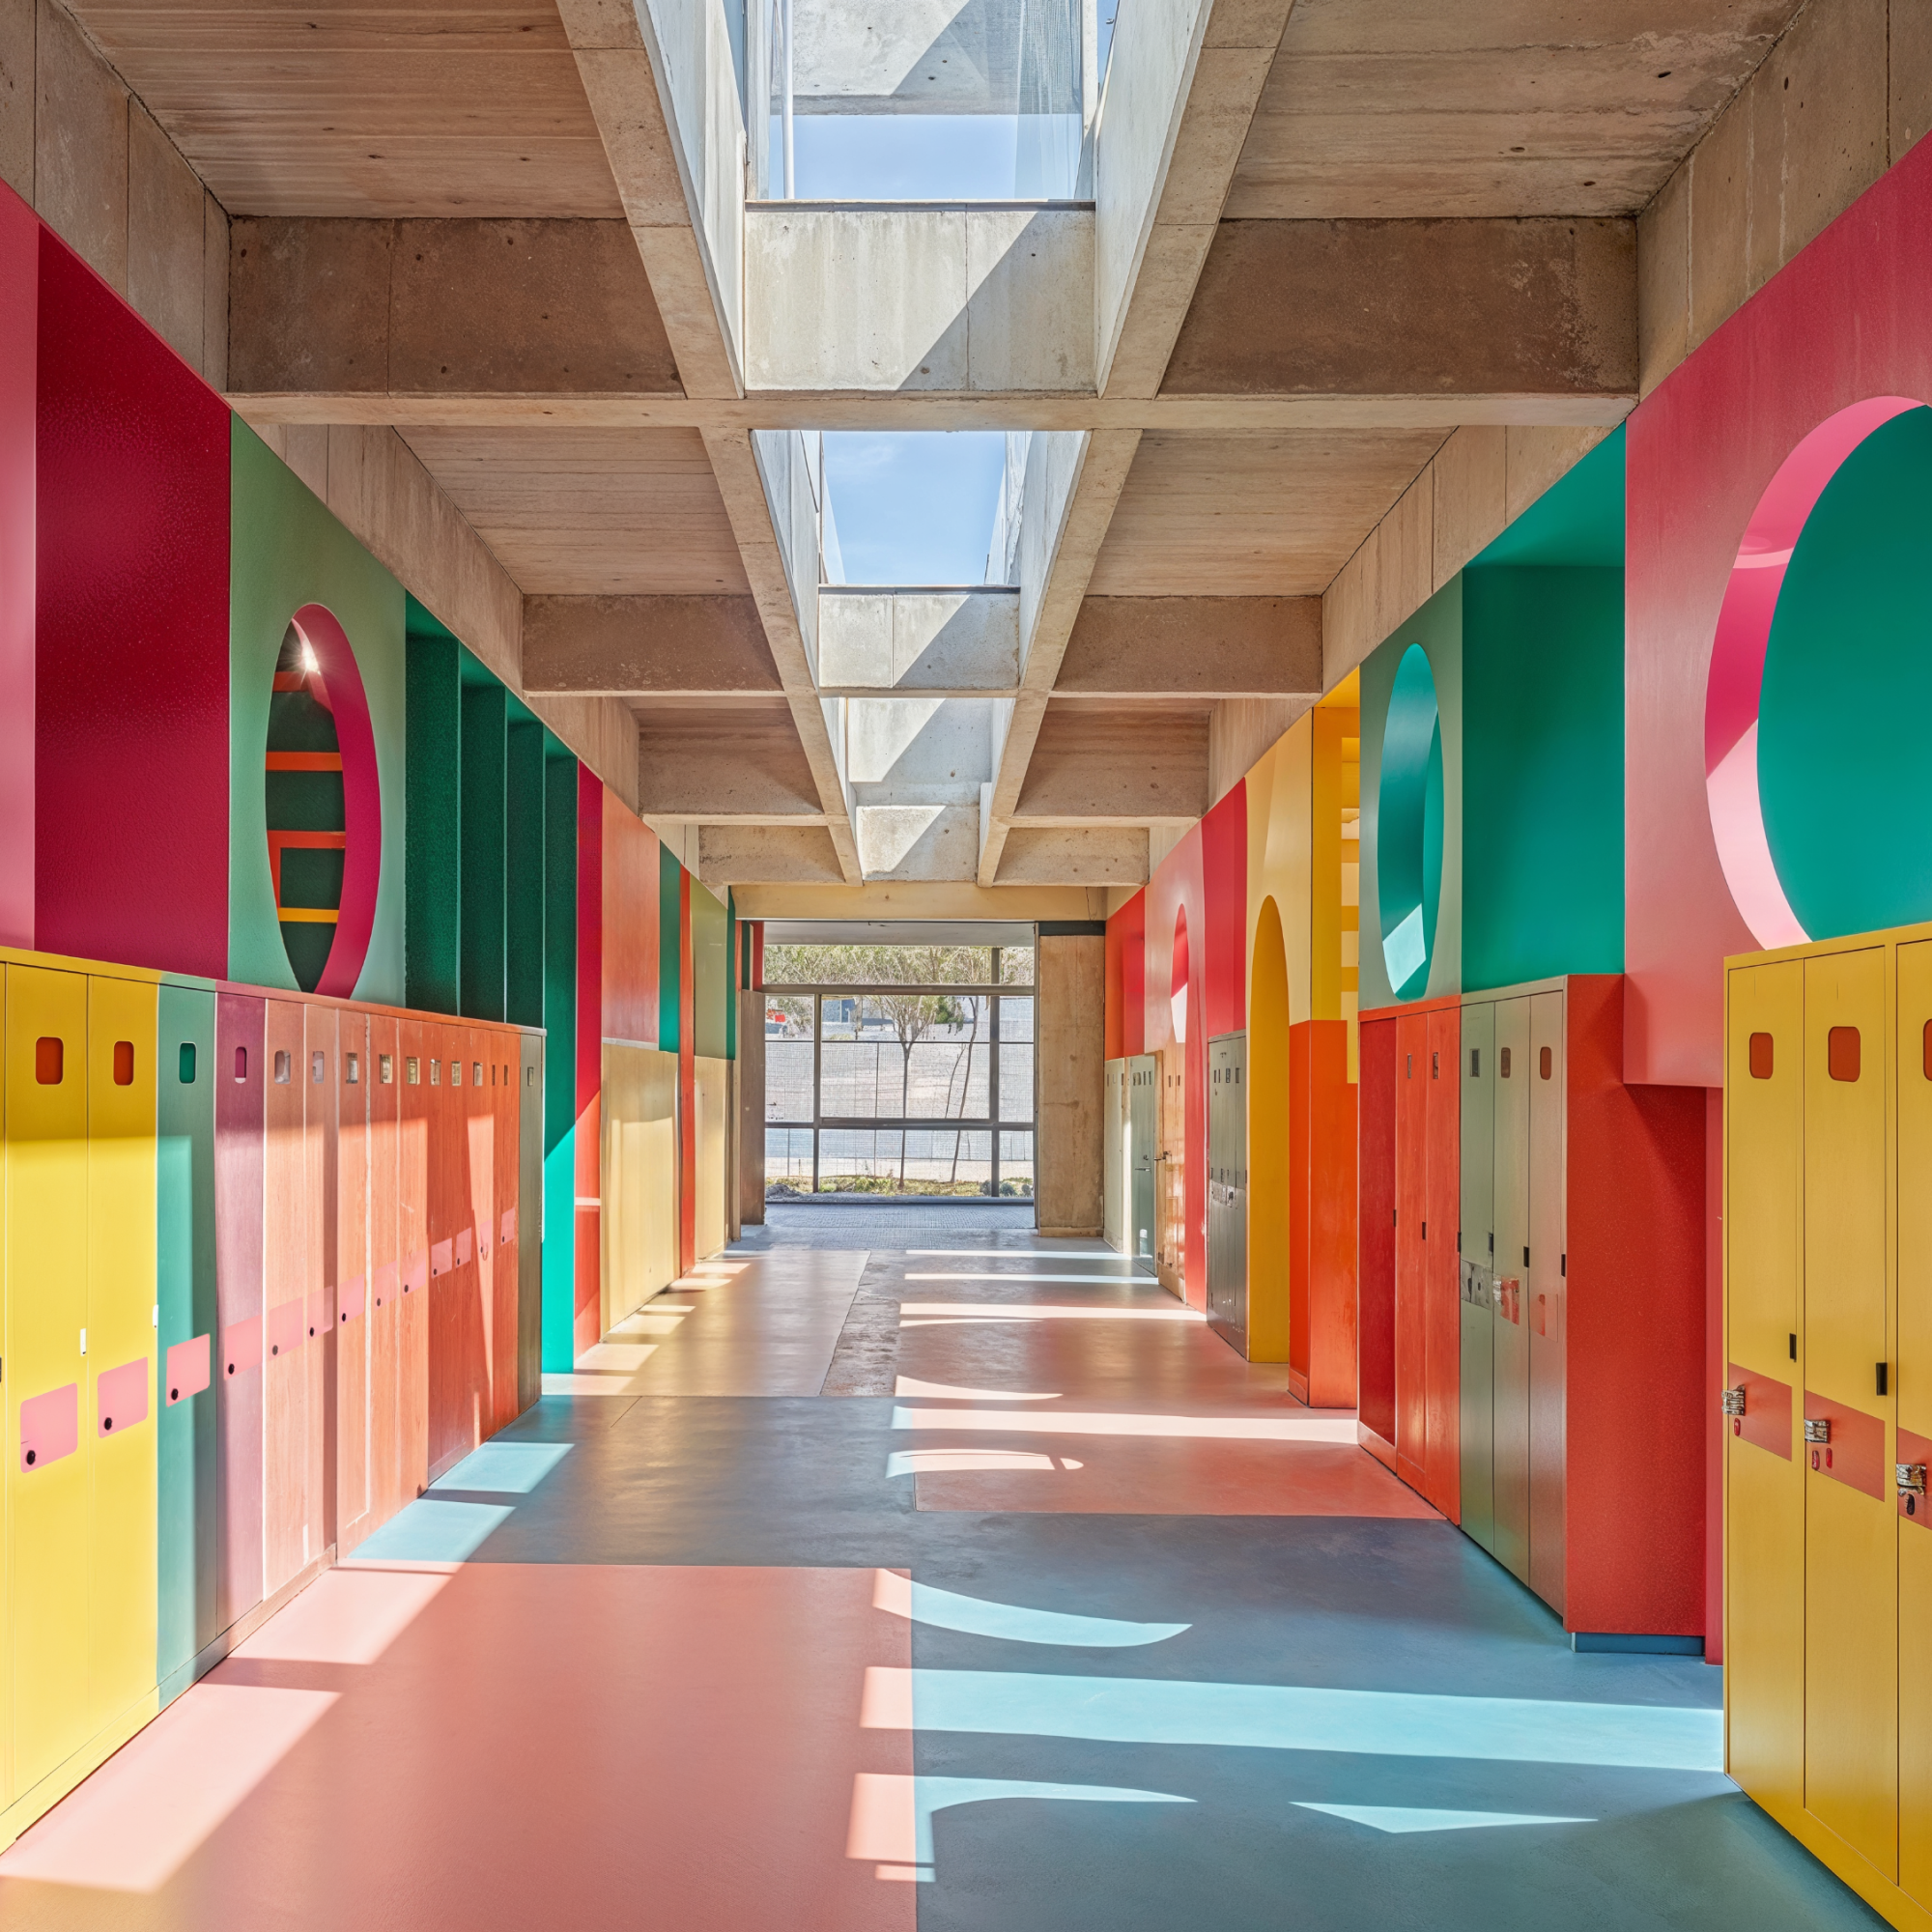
915,506
900,156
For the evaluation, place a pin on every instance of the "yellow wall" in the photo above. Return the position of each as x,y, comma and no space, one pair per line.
638,1160
713,1079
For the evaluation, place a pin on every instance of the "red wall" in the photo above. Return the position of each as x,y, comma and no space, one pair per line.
1850,318
131,810
1126,1027
630,884
19,292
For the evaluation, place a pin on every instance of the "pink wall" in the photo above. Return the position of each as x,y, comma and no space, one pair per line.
130,814
1850,318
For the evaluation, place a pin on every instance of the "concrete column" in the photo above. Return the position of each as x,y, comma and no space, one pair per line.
1069,1058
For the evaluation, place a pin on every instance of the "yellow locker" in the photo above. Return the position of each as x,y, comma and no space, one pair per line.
1913,1094
46,1461
713,1089
1763,1258
1851,1537
118,1404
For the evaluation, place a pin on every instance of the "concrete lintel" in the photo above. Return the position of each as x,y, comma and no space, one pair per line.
919,841
1329,307
953,299
901,898
442,308
1197,646
1089,765
664,646
730,762
1109,855
730,855
938,642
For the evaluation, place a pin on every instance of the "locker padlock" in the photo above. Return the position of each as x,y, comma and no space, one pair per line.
1734,1401
1817,1429
1911,1478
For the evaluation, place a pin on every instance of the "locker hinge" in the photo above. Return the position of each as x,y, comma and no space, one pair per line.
1794,1347
1425,1230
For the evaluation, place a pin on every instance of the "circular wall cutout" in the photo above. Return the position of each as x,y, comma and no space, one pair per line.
1817,773
1408,826
324,805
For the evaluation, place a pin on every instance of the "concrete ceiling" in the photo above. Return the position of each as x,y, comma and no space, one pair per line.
1380,219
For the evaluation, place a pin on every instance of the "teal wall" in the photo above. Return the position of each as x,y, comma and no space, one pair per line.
436,815
559,1003
1543,775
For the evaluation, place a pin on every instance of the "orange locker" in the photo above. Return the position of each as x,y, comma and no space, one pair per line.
1412,1182
412,1244
383,1296
1441,1284
354,1301
242,1079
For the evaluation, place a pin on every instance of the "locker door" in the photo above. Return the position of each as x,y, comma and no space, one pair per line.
45,1370
1142,1150
1442,1208
413,1240
118,1411
1169,1232
321,1114
285,1234
1764,1489
184,1422
354,1300
1411,1178
446,1338
527,1222
1227,1190
1113,1177
1511,1332
1913,1098
242,1078
503,1047
383,1308
1851,1533
1478,1434
1543,1297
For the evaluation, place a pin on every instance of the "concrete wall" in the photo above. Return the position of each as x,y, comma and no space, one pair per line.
92,162
960,300
1840,99
1069,1058
962,642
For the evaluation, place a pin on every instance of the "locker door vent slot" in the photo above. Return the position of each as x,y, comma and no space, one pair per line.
1544,1064
1884,1375
284,1067
317,1066
185,1069
49,1059
1763,1056
124,1062
1502,1063
1842,1054
1793,1338
241,1064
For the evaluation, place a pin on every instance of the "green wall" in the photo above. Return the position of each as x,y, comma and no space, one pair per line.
289,551
481,861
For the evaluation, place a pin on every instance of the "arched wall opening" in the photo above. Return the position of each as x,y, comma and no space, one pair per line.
1277,1330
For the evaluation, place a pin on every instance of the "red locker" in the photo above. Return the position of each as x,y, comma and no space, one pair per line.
1375,1306
320,1112
505,1147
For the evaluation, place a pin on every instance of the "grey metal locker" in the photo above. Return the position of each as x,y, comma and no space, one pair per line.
1113,1157
1542,1298
1477,1271
1511,1546
1228,1187
1143,1150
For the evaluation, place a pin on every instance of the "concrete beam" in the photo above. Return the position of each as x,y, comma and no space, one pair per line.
664,92
1068,501
1091,764
1106,855
789,855
1199,646
1181,92
900,898
442,308
967,300
631,646
731,761
742,487
919,841
1416,307
938,644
